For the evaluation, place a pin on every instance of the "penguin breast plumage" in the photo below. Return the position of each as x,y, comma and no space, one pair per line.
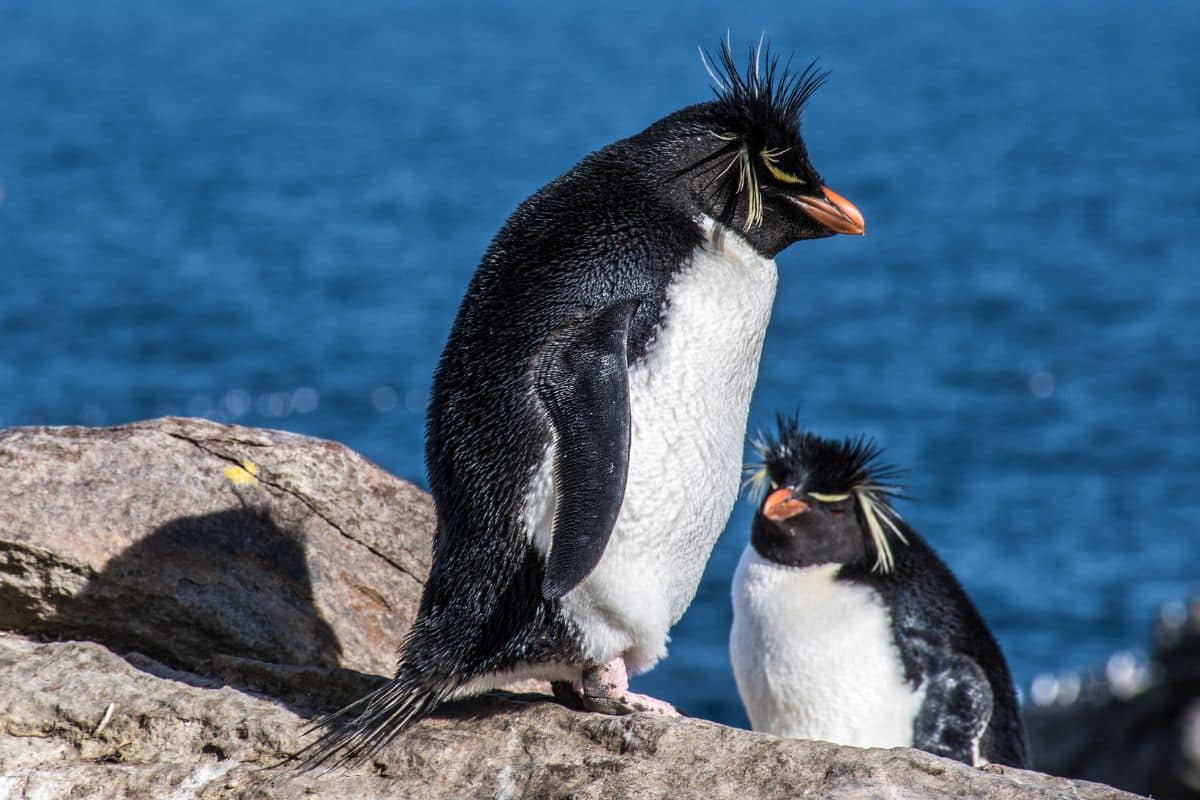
689,399
814,658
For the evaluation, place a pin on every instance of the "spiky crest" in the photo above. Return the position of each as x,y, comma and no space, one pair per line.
762,105
833,470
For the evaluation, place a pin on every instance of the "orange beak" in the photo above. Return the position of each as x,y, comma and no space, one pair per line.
834,212
780,505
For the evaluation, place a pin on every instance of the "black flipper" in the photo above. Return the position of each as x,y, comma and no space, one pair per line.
583,383
956,710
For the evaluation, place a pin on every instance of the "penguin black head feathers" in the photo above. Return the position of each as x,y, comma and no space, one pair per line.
829,501
740,158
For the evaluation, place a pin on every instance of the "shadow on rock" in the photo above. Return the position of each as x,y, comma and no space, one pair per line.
226,595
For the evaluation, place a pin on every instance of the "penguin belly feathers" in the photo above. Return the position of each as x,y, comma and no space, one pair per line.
847,626
585,431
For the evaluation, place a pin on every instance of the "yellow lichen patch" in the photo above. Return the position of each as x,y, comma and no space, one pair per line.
244,475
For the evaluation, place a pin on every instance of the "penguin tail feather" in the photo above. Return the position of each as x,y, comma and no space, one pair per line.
353,735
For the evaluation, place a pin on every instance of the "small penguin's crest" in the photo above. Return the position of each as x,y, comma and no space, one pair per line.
760,114
831,471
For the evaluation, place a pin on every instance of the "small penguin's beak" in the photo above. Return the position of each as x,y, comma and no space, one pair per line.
834,212
780,505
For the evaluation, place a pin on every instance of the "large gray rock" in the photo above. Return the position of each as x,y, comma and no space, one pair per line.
238,580
171,734
185,540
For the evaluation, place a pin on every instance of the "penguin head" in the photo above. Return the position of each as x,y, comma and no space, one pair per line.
828,502
740,158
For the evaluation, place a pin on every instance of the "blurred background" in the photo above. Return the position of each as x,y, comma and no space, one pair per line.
266,213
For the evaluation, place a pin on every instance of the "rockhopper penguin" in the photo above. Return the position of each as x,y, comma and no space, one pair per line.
847,627
585,430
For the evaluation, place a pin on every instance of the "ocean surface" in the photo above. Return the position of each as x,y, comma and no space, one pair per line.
267,213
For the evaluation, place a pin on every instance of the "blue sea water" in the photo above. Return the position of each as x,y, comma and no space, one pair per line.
267,212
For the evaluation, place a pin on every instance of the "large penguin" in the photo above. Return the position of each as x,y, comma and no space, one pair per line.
586,425
847,627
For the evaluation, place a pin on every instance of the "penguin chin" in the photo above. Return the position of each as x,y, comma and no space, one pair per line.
778,231
805,540
782,226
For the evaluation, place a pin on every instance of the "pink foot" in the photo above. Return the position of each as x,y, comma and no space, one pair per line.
606,689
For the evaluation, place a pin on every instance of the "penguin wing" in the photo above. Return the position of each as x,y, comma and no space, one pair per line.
956,710
583,383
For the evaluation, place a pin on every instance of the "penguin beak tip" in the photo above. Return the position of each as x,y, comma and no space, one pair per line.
834,212
781,505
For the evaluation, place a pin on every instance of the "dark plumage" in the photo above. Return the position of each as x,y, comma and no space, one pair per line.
797,457
575,294
815,515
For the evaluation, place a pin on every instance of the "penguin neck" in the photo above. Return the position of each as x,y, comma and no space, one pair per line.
721,238
804,548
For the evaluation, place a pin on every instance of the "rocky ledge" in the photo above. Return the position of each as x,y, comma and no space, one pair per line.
180,597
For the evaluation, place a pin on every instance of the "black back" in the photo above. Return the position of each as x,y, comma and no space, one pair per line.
932,618
594,237
612,231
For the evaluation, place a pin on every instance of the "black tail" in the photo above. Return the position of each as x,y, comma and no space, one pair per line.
357,732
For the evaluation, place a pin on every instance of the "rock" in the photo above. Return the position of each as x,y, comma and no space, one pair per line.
217,585
1134,728
172,734
188,541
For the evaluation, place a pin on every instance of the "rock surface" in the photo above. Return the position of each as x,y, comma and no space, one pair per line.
217,585
185,540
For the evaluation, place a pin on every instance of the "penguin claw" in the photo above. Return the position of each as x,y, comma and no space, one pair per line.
605,689
606,705
630,703
645,704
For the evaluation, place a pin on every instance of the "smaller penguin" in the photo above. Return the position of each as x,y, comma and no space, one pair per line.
847,626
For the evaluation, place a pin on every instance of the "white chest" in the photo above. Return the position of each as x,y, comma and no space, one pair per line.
689,399
814,659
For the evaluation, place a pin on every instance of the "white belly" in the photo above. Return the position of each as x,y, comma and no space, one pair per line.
813,657
689,399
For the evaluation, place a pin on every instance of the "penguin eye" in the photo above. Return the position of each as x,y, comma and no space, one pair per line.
834,504
770,159
838,510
